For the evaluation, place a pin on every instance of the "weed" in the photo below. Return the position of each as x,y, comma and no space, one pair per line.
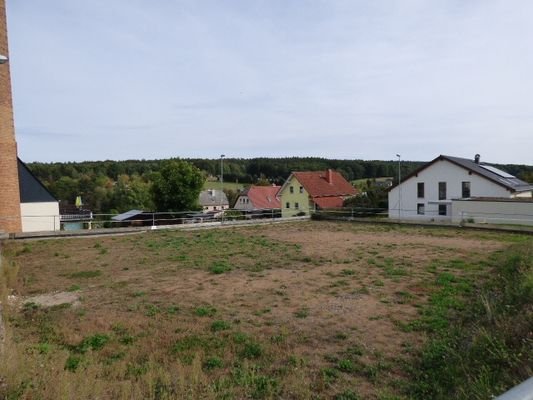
346,365
348,272
302,313
94,342
341,336
26,248
240,337
173,310
329,374
85,274
74,288
251,350
205,311
152,310
220,326
73,362
43,348
212,363
347,395
219,267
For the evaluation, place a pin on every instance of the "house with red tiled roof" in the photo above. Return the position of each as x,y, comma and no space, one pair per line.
304,192
258,198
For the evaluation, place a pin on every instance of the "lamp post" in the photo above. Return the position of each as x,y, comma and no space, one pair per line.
399,186
222,179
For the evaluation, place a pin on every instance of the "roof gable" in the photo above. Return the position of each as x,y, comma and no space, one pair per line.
212,197
483,170
324,183
264,197
31,189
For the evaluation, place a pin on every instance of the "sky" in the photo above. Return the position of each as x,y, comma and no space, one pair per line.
350,79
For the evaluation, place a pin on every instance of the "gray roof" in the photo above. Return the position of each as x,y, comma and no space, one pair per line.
127,215
212,197
492,173
485,170
31,189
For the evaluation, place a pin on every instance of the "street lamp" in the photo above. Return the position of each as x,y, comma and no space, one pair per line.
3,59
399,186
222,179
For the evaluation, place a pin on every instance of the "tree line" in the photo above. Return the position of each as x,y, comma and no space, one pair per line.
117,186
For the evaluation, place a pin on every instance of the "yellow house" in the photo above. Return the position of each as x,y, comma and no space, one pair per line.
304,192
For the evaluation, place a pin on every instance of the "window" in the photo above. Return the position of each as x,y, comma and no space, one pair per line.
442,209
420,208
296,205
442,191
465,189
287,205
291,189
301,189
420,190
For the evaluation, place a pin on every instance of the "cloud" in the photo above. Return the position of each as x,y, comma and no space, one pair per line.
250,78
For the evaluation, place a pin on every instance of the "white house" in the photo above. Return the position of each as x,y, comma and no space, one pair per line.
213,200
38,208
428,192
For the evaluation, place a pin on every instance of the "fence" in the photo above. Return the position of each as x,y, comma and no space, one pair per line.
350,213
79,221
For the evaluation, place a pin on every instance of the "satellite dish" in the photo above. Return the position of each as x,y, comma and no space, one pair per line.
3,59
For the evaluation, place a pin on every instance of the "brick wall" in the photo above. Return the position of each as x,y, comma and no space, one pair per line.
10,220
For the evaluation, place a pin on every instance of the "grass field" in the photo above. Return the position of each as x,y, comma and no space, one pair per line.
227,185
311,310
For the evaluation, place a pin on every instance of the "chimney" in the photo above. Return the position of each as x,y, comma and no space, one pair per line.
329,176
10,220
476,158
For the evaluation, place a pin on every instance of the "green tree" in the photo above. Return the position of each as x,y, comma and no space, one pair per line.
176,186
131,192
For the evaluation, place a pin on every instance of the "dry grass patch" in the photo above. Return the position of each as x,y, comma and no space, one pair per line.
298,311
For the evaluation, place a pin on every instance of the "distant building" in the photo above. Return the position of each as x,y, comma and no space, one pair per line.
75,216
213,200
431,192
304,192
258,198
39,209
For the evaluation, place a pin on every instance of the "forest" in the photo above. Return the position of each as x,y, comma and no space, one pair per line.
117,186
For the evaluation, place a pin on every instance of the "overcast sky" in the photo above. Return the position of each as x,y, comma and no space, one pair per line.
120,79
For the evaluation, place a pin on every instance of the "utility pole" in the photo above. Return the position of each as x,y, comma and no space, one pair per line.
399,186
222,179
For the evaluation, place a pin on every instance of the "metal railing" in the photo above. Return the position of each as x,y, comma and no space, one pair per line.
147,219
524,391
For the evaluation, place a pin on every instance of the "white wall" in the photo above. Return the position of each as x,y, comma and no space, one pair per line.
525,195
493,212
440,171
38,217
243,203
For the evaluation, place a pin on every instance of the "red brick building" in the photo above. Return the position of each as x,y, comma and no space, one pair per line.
10,219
